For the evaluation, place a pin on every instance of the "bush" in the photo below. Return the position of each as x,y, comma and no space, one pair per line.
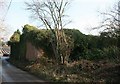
112,52
94,54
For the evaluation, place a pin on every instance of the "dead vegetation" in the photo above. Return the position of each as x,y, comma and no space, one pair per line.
79,71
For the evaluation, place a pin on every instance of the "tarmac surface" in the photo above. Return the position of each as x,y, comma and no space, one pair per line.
10,73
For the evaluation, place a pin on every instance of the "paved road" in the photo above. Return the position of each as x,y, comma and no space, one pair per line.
13,74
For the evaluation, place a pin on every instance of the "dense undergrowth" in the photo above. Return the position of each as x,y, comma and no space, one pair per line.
77,71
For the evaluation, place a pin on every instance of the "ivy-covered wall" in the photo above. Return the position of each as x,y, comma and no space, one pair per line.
85,46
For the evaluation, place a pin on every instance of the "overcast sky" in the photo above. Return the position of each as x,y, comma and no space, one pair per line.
83,13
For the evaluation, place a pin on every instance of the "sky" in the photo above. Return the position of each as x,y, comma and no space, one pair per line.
84,14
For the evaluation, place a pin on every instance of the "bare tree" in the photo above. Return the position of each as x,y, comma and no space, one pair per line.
2,3
111,24
111,21
2,6
51,13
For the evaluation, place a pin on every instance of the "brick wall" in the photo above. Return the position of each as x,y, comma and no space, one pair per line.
33,53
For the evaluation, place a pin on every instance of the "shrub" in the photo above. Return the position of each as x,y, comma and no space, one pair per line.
94,54
112,52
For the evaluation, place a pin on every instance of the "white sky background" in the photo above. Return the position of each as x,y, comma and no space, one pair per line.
83,13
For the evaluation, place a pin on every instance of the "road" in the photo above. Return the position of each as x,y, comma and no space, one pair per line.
10,73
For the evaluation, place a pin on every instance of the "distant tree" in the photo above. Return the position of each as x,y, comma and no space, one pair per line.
2,3
111,23
51,13
1,21
2,14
